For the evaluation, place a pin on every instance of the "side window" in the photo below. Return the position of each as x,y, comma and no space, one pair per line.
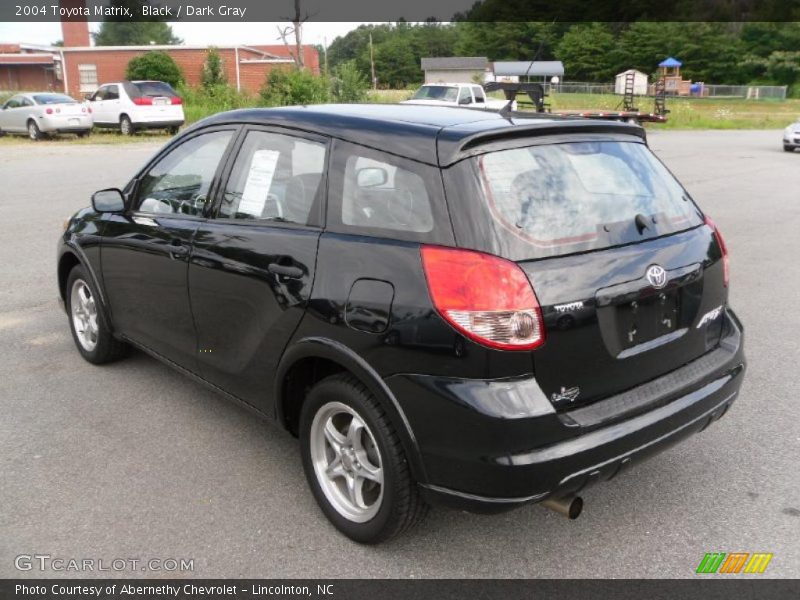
13,103
180,181
479,95
26,102
87,78
100,94
275,177
112,93
464,96
380,195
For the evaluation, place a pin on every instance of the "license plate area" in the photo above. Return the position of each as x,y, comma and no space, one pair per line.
648,318
160,101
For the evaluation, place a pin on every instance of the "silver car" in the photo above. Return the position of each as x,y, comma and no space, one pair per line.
38,114
791,137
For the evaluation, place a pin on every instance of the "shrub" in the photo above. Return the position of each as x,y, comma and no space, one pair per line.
286,88
157,66
213,71
200,102
348,84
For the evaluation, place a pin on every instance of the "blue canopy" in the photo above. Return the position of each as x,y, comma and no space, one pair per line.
670,62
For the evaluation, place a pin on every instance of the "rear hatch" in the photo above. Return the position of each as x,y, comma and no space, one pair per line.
629,277
155,98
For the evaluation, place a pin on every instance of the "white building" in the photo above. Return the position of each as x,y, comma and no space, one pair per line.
639,82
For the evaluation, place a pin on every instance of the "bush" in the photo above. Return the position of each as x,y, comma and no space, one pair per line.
348,84
201,102
213,72
157,66
286,88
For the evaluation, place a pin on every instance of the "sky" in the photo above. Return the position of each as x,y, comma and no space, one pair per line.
192,33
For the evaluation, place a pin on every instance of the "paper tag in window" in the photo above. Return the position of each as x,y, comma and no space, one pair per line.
259,180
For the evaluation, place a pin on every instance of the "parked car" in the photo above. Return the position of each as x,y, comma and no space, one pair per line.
134,105
37,114
466,95
444,305
791,137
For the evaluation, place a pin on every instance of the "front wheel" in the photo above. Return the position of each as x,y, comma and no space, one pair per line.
355,464
90,332
788,148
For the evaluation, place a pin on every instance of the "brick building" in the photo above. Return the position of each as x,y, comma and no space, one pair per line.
78,68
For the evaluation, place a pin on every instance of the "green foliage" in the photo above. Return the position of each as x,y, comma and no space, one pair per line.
213,72
156,65
292,87
348,84
580,48
200,102
122,31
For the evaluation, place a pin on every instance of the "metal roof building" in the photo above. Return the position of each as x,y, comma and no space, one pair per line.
522,68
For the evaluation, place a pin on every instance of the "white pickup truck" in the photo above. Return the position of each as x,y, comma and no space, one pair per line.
468,95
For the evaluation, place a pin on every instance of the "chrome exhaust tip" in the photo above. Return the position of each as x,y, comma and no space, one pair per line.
569,506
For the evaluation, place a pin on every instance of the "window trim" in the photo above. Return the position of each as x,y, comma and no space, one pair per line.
442,231
315,223
132,189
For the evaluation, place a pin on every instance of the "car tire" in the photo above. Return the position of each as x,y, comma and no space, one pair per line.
83,134
174,130
788,148
366,449
126,125
34,132
88,324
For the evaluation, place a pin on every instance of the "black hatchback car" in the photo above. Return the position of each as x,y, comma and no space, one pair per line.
444,305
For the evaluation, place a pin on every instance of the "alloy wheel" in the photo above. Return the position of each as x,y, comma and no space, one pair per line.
347,462
84,315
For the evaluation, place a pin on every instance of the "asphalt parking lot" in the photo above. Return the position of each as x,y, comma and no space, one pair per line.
133,460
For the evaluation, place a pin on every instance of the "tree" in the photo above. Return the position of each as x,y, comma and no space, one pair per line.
157,66
348,84
122,31
585,50
213,72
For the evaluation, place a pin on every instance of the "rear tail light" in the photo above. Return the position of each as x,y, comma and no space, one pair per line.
177,100
49,111
486,298
726,263
143,101
89,108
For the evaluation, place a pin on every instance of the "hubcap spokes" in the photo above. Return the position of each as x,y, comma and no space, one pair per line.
347,462
84,315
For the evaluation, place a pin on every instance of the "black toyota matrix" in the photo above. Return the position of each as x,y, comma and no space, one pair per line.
444,305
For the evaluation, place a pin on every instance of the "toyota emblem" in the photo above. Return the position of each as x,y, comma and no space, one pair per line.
657,276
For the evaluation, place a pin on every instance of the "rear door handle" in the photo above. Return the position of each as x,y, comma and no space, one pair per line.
178,249
285,270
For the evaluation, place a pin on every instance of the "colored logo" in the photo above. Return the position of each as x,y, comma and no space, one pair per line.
734,562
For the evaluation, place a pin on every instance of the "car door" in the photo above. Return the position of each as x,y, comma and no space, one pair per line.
112,104
252,265
11,114
145,251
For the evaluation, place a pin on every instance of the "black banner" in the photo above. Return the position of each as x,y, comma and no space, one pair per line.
744,588
562,11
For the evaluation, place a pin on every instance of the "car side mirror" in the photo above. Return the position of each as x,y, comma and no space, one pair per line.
108,201
371,177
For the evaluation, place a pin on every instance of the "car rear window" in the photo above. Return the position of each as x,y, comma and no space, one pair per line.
436,92
553,199
53,99
151,88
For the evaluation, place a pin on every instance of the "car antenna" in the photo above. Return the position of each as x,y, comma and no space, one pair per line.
506,111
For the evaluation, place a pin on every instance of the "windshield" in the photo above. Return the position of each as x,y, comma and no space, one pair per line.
554,199
53,99
152,89
436,92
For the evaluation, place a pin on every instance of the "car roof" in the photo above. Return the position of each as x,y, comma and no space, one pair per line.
436,135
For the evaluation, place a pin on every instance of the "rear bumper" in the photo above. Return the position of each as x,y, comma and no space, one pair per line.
65,124
488,446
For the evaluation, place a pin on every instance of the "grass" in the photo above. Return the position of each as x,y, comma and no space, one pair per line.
695,113
105,137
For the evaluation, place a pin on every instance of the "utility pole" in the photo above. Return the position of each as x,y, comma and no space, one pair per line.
372,63
325,54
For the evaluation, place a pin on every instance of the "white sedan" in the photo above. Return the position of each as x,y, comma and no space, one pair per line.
38,114
791,137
